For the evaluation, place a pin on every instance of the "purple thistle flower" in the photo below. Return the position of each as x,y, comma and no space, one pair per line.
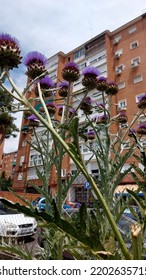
131,132
141,129
35,63
91,134
32,118
60,107
8,38
60,110
142,125
9,52
112,88
51,107
90,77
91,71
71,112
51,104
122,117
102,84
103,118
86,105
142,102
63,84
71,64
88,100
102,79
63,91
46,83
33,121
100,104
34,57
71,72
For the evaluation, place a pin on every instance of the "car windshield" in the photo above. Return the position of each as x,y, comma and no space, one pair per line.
6,211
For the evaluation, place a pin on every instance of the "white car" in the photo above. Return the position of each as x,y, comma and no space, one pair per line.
14,224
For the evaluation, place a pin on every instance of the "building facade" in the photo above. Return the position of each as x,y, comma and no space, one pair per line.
8,163
120,56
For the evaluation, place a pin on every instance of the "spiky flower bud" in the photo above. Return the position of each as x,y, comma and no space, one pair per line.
9,52
71,72
35,63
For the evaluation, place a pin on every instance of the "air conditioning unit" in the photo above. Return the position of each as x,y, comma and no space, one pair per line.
117,55
116,41
21,163
118,71
134,64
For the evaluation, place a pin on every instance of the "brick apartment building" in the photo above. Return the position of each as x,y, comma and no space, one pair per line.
8,163
120,56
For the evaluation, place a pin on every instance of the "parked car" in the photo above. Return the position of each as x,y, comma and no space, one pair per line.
41,206
35,202
14,224
129,214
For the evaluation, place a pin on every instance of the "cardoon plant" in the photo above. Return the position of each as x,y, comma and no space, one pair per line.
51,108
102,84
35,63
60,110
86,105
142,102
9,52
63,88
112,88
46,83
122,117
33,121
141,129
71,72
90,77
91,135
106,153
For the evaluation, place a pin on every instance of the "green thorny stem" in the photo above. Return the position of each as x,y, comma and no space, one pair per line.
48,125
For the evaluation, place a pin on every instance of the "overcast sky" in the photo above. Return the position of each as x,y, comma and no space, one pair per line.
50,26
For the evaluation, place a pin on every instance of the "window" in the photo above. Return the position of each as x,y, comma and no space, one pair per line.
119,69
20,176
134,45
79,53
118,53
63,172
125,167
116,40
102,57
121,85
137,79
135,62
122,104
24,143
95,173
84,148
82,65
132,29
35,159
22,158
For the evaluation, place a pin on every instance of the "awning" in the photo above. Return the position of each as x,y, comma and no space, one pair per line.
121,190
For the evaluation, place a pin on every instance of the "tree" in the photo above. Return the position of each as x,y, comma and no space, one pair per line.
7,125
